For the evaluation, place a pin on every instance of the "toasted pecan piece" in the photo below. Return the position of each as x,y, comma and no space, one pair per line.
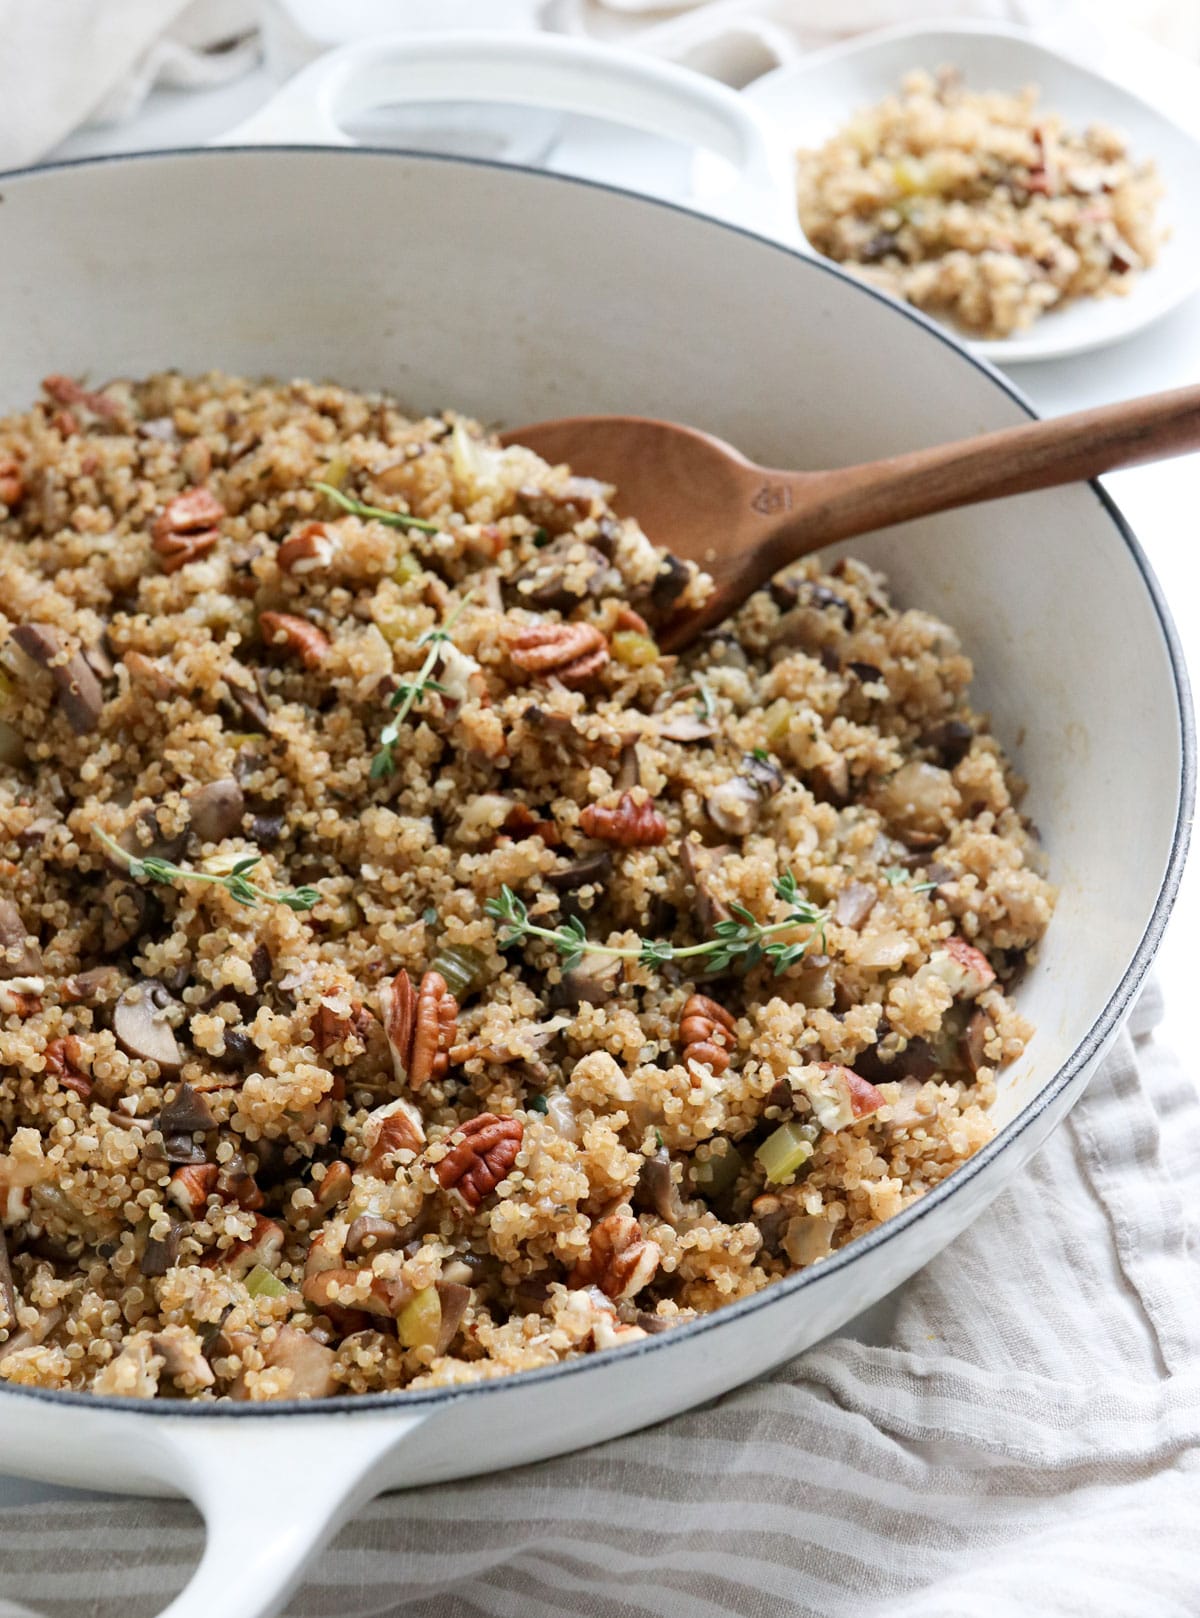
707,1033
296,635
475,1165
573,653
629,824
620,1261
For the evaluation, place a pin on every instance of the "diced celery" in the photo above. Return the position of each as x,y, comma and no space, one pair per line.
777,719
633,649
260,1283
407,568
783,1152
336,472
420,1321
462,967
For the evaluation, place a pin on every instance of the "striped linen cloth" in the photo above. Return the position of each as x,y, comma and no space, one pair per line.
1028,1443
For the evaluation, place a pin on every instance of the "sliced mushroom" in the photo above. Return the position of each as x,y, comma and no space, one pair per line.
19,957
8,1291
698,862
669,584
454,1298
763,774
560,576
179,1349
733,806
557,724
216,810
130,910
145,838
655,1189
160,1256
182,1151
591,870
950,741
310,1362
247,697
687,728
79,693
141,1022
629,773
97,983
187,1113
854,904
980,1031
593,982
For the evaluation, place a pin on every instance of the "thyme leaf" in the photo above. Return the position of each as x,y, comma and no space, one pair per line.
410,692
394,519
237,881
740,940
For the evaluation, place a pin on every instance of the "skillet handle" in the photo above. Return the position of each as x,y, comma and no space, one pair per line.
273,1491
550,71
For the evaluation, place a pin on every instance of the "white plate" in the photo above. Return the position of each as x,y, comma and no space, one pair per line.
806,101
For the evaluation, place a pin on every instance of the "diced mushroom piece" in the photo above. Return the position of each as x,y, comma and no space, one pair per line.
79,693
141,1023
592,869
592,982
965,970
698,862
310,1362
97,983
144,838
763,774
980,1032
216,810
733,807
247,698
370,1234
186,1113
854,904
179,1349
950,741
20,956
837,1095
656,1190
454,1298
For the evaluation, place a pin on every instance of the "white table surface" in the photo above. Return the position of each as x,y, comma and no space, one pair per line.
1162,503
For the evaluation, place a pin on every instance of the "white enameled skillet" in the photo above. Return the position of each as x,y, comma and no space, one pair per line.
516,295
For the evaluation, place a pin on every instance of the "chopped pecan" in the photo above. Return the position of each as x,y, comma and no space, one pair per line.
421,1026
330,1026
300,638
191,1186
64,390
707,1033
620,1260
12,484
184,529
151,675
486,1152
264,1247
627,618
630,824
571,652
521,822
308,551
397,1127
335,1187
62,1058
356,1290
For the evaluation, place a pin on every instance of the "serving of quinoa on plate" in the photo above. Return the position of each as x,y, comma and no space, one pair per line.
409,974
979,207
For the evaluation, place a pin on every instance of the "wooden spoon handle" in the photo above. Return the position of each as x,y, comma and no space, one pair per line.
1041,455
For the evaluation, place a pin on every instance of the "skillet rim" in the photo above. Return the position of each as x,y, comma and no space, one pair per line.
1105,1025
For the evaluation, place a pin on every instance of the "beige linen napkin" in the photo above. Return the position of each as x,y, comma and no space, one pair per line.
1028,1444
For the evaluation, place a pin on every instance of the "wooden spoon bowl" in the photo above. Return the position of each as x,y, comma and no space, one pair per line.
703,500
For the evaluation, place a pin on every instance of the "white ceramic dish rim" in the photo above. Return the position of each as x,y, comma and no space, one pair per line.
1102,1029
1039,343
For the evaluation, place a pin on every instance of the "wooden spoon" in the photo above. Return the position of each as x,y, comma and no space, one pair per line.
703,500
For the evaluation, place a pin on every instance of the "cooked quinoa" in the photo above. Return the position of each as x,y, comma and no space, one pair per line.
979,207
318,1124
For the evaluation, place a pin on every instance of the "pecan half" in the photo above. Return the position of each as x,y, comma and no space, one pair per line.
620,1260
630,824
184,529
12,484
296,635
308,551
477,1163
421,1026
707,1033
571,652
62,1058
335,1187
191,1185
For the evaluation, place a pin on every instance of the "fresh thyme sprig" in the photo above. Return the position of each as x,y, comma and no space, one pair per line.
394,519
235,881
742,939
897,876
409,692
